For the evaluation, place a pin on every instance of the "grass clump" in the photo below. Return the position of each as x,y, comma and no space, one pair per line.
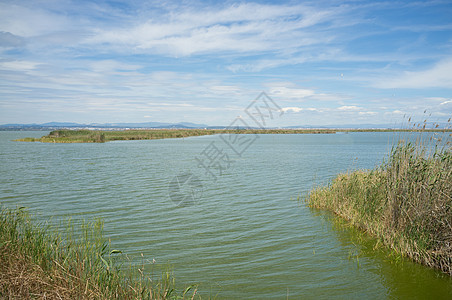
37,262
406,202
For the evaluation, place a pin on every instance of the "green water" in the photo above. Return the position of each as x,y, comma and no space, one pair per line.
245,237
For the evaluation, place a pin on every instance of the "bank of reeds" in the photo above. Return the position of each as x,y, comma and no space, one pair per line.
406,202
37,262
101,136
98,136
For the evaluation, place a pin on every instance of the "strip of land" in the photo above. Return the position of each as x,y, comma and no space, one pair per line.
102,136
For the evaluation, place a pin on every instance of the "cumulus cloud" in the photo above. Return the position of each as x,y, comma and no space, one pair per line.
292,109
398,112
367,113
349,108
299,109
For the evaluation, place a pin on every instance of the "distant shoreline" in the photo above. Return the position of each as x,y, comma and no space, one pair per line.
102,136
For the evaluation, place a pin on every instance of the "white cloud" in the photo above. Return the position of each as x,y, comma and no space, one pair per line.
349,108
111,65
356,110
285,93
245,27
398,112
290,92
7,39
292,109
299,109
145,57
445,108
262,64
367,113
24,21
225,88
19,65
438,76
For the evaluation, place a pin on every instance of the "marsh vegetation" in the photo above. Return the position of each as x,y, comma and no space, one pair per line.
98,136
44,262
406,202
102,136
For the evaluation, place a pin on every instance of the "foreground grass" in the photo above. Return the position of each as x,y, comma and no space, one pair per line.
101,136
38,263
406,202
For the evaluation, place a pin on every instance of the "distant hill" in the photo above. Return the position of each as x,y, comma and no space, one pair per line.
429,125
350,126
59,125
188,125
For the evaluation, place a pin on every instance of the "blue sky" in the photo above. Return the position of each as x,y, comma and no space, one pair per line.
322,62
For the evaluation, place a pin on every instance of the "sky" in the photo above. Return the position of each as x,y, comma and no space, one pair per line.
321,62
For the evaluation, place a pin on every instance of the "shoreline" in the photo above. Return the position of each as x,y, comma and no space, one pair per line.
102,136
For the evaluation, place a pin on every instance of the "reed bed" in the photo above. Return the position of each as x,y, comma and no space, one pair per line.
406,202
98,136
37,262
101,136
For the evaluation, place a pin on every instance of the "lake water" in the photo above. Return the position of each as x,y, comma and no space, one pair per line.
246,236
